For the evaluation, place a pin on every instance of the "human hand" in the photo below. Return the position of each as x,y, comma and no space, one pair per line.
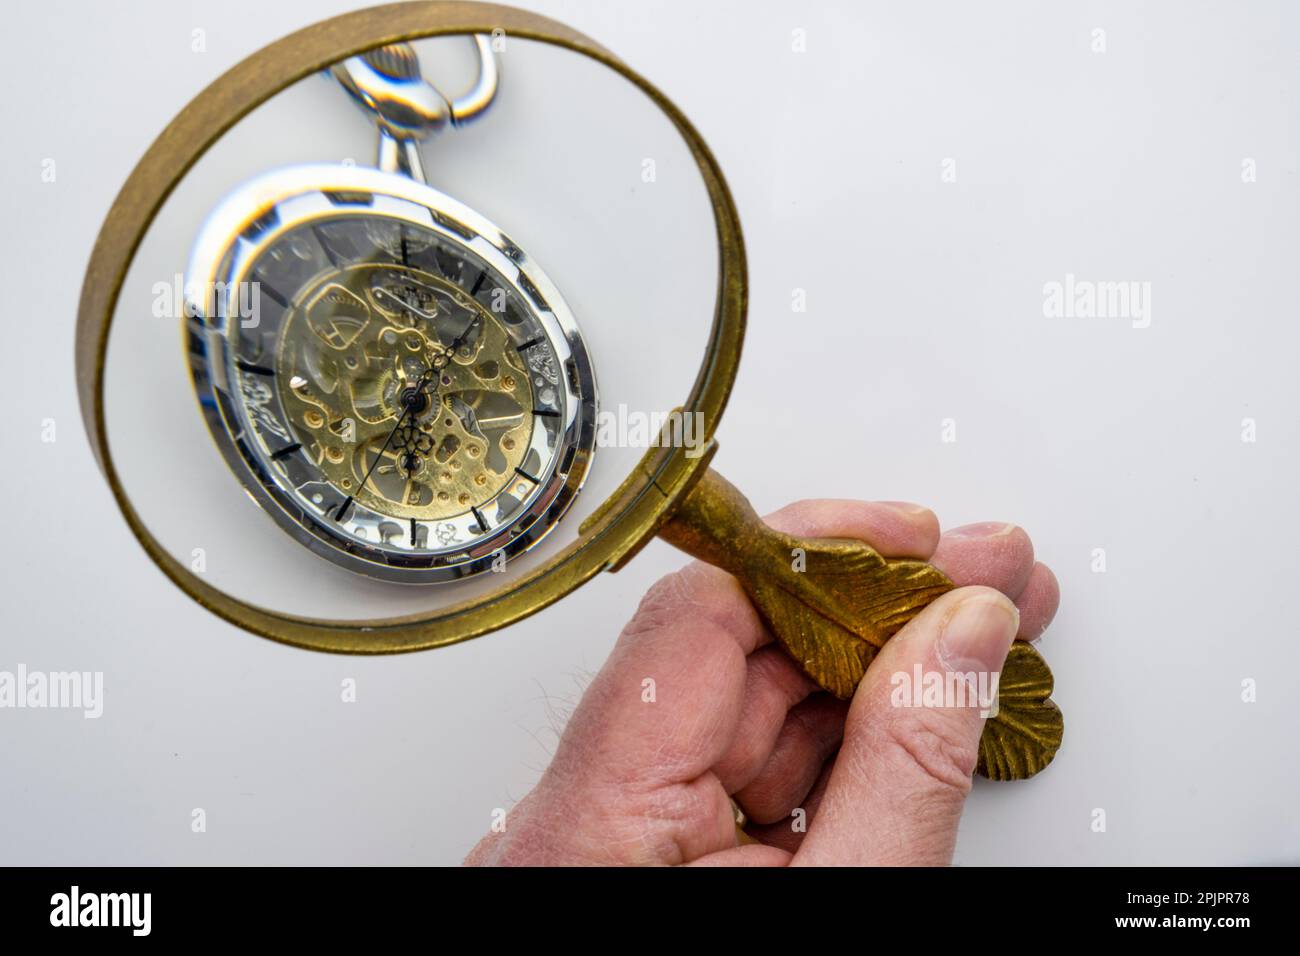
637,781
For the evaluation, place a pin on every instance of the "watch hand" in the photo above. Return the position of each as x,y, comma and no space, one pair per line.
409,400
459,340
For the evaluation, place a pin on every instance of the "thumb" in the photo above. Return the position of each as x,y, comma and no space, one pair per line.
896,792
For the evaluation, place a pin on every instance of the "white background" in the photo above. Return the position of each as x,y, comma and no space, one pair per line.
925,303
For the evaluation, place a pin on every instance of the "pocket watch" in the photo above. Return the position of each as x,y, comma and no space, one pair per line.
393,380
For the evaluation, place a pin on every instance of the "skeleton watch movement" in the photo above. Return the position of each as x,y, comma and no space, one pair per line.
393,380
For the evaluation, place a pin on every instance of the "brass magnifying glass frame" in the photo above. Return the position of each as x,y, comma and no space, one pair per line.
832,612
622,525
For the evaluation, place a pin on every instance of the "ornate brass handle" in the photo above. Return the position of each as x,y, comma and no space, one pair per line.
837,611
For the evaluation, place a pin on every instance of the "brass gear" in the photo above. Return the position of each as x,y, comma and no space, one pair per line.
350,355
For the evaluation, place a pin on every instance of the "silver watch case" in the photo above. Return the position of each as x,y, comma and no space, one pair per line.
242,227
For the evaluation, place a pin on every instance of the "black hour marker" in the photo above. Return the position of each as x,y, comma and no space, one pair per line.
412,520
520,471
325,246
254,369
529,344
478,283
482,525
546,412
343,508
272,294
406,261
286,451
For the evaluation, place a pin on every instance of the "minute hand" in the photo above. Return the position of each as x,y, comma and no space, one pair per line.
420,385
459,340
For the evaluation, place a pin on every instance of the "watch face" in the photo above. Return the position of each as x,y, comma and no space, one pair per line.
389,377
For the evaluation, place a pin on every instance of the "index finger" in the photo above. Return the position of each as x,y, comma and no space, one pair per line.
667,704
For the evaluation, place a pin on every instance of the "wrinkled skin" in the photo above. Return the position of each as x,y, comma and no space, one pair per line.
821,781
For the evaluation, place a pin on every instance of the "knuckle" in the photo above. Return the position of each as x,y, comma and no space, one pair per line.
936,746
800,513
664,824
697,594
661,605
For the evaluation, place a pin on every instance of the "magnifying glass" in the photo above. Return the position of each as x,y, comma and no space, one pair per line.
404,390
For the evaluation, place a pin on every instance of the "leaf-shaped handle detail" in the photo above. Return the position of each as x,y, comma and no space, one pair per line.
833,603
1025,733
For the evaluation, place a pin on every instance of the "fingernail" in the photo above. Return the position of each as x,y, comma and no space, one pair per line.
978,633
906,507
982,529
